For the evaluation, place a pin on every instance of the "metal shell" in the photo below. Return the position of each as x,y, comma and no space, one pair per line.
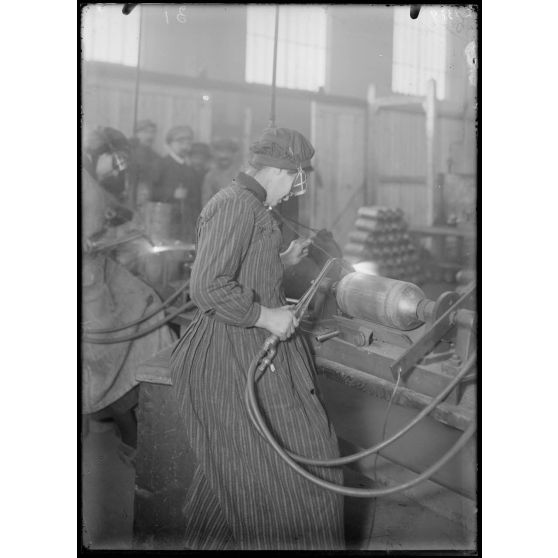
388,302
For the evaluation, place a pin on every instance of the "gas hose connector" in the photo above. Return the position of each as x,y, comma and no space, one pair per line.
271,342
265,363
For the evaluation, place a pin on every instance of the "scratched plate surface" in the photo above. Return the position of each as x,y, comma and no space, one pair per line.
164,470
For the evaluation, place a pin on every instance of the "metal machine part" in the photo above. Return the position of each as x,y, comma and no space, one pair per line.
384,301
435,332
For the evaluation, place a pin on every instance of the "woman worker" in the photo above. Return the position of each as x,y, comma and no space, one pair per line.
243,496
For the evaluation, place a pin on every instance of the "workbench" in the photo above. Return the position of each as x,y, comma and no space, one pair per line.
356,395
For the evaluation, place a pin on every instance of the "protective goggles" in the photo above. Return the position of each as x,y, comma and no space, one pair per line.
120,161
299,184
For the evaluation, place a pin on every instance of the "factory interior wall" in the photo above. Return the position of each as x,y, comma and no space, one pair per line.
204,56
212,43
398,162
360,45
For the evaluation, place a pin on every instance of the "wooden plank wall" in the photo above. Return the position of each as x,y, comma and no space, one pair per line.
110,102
398,157
337,187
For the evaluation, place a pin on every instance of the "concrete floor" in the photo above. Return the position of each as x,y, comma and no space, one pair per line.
108,503
107,491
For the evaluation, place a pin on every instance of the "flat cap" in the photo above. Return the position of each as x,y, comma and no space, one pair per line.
179,131
282,148
145,124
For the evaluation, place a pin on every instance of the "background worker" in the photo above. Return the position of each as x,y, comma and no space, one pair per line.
200,158
243,496
177,183
145,162
226,167
111,297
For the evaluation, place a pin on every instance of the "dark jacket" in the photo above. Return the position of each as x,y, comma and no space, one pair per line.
144,165
173,175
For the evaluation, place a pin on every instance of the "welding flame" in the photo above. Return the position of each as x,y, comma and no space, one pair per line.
159,248
370,268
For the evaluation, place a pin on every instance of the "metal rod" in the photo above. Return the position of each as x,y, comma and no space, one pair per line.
131,185
138,72
325,336
274,75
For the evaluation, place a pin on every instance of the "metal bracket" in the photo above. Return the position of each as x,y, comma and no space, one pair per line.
356,332
431,336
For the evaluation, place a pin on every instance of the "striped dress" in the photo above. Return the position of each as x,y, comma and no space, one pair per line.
243,495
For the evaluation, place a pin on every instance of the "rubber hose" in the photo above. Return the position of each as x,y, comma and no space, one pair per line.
122,363
347,491
366,452
109,340
154,312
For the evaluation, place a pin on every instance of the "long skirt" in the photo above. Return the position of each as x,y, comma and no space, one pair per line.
243,495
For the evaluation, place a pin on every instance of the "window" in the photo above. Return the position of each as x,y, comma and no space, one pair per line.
110,36
301,46
419,51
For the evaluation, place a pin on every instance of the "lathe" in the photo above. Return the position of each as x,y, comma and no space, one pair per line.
366,333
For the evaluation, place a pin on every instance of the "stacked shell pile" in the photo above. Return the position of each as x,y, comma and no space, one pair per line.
381,236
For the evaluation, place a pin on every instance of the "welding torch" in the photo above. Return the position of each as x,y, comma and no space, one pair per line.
100,245
270,344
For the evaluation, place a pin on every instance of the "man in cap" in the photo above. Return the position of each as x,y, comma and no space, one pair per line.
177,181
243,496
226,168
200,157
145,162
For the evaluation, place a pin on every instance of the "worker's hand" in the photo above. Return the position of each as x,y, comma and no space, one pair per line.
297,250
279,321
181,193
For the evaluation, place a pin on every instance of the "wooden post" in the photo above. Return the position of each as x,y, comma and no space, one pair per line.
205,121
138,73
309,205
132,187
246,135
432,194
274,75
371,170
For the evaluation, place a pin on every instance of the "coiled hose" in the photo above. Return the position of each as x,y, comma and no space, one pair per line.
154,312
111,340
292,459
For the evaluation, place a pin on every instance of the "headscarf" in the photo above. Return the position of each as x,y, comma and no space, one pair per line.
282,148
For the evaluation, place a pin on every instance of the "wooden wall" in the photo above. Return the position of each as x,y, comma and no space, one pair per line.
337,188
110,102
398,157
362,156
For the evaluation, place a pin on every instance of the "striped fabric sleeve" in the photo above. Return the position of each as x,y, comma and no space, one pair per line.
224,237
